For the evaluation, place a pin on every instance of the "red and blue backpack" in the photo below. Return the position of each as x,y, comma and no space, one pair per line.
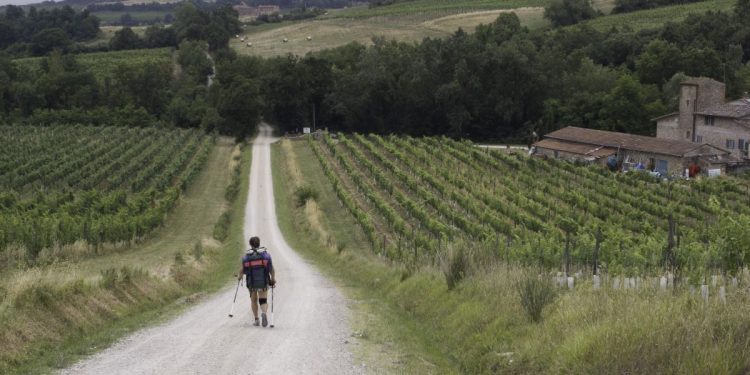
256,267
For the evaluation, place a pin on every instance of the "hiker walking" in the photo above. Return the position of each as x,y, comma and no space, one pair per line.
257,268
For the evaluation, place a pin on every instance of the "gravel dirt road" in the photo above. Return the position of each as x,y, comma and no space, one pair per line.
311,315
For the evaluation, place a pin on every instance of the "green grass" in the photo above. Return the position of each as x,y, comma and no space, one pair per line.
654,18
102,64
86,316
480,325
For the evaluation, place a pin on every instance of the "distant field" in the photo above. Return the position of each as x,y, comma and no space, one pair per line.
103,63
416,20
334,32
109,17
652,18
434,8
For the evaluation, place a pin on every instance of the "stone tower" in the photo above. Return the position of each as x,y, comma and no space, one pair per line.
697,95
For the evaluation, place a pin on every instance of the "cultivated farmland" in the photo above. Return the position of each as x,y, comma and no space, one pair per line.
78,190
413,197
103,64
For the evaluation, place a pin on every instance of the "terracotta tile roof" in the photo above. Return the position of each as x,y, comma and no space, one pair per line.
623,140
675,114
737,109
701,81
576,148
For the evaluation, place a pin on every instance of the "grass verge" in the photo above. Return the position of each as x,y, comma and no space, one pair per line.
49,325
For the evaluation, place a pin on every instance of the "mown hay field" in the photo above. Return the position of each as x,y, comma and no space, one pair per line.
416,20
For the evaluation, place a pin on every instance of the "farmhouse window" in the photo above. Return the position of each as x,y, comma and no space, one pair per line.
708,120
730,144
699,138
662,166
741,144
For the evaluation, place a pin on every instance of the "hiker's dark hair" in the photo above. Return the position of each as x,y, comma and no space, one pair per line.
254,242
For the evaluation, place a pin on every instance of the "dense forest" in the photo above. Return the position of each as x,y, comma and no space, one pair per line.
498,83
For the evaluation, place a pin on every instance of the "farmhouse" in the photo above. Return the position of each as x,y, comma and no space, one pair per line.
705,117
666,156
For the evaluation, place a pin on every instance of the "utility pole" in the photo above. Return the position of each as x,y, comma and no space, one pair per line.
313,118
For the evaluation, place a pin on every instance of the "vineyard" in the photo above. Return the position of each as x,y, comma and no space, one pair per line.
657,17
417,198
103,64
89,186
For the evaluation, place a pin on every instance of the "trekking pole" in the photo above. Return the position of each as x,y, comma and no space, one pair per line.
231,311
272,288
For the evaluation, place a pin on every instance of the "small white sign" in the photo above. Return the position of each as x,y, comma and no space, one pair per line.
714,172
306,130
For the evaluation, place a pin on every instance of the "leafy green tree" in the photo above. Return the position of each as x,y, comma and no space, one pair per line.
239,103
193,58
629,106
145,86
13,13
569,12
659,62
159,36
8,34
125,38
7,75
189,22
46,40
65,84
742,10
502,29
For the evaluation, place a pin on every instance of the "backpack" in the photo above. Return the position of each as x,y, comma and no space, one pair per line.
255,267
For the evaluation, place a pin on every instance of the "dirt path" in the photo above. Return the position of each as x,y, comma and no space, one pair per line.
312,328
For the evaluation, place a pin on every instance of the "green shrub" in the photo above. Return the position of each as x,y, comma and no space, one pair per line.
535,293
221,229
109,278
198,250
456,268
305,193
179,259
234,185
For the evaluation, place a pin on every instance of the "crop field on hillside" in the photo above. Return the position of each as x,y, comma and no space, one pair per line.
653,18
74,189
102,64
434,8
414,197
267,40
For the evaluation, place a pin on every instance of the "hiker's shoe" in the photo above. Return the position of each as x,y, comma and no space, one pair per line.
257,322
265,320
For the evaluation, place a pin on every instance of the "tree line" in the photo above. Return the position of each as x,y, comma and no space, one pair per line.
501,82
38,32
505,80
